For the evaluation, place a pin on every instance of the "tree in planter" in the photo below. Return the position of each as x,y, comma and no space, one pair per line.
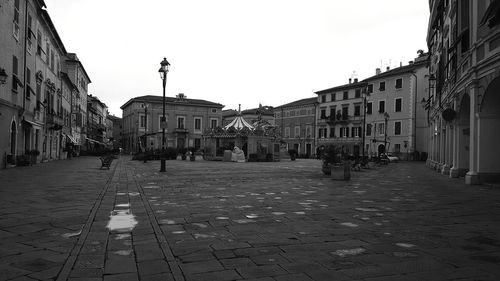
334,160
293,154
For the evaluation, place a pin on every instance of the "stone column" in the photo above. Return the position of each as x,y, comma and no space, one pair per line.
454,171
447,150
471,177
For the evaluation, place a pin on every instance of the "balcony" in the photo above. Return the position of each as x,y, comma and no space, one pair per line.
181,131
54,121
342,119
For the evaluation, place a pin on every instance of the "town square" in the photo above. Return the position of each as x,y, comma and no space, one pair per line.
249,140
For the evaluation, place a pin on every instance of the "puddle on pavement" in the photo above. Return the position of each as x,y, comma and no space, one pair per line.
348,252
121,221
405,245
278,213
123,252
221,218
359,191
178,232
299,213
349,224
125,205
277,198
122,236
151,186
199,235
167,221
244,207
133,193
71,234
252,216
367,201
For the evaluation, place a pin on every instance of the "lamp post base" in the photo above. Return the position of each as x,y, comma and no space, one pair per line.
162,165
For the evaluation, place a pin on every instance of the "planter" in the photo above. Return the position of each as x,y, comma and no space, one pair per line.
341,171
183,157
192,157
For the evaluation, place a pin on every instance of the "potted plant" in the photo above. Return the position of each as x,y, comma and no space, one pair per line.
182,151
192,156
334,163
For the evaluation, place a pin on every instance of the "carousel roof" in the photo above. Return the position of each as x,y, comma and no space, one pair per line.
239,123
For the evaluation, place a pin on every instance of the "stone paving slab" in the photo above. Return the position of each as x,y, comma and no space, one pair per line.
244,221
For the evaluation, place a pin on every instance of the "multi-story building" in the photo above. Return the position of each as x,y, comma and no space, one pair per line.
96,139
396,123
32,99
186,121
116,135
297,124
463,40
262,113
77,74
340,117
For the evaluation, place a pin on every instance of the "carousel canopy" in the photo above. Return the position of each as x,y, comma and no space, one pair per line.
239,123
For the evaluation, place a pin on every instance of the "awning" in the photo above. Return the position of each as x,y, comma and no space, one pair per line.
95,141
29,124
71,139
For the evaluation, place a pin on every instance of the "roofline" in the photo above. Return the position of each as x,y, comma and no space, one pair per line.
52,28
343,87
145,99
81,65
306,101
398,70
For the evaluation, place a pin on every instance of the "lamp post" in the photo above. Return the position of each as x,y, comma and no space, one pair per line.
163,74
145,131
3,76
386,117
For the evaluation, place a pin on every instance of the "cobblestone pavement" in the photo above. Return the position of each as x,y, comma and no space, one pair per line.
69,220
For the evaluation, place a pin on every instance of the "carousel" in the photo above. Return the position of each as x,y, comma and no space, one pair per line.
246,142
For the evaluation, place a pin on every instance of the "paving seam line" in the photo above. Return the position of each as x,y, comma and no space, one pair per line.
70,262
165,247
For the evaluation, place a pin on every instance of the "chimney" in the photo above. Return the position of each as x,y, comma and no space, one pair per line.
350,79
181,96
377,71
388,68
355,80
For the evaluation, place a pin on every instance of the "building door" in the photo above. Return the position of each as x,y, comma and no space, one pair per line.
181,142
13,134
381,149
308,150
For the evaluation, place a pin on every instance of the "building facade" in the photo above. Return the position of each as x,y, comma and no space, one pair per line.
396,122
116,135
296,122
464,102
96,140
186,121
340,117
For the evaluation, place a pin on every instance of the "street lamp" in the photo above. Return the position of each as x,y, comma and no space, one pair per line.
386,117
145,131
3,76
163,74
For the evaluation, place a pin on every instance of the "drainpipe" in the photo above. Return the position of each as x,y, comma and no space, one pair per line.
24,53
415,114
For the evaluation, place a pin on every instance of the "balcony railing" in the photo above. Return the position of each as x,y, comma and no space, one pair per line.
342,119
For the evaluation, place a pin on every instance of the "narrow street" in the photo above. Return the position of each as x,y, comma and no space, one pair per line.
69,220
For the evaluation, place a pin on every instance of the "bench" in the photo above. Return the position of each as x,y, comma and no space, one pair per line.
106,161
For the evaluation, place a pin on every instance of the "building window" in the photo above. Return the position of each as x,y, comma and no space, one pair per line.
297,131
345,113
180,122
28,82
368,130
344,132
357,110
397,147
381,86
14,73
287,132
214,110
29,39
397,128
399,83
370,88
345,95
15,30
323,98
369,107
197,143
381,106
332,111
332,96
356,132
197,124
213,123
308,131
142,121
159,122
380,129
357,93
323,133
39,48
397,105
322,113
52,60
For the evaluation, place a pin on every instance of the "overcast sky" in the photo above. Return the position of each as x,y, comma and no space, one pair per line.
236,51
